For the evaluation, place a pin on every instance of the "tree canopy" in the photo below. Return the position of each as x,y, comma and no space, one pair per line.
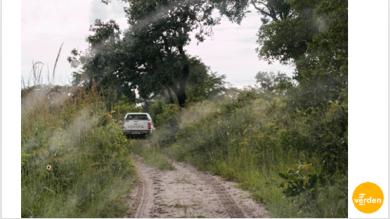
150,57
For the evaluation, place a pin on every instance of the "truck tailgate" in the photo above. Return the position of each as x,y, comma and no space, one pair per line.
136,125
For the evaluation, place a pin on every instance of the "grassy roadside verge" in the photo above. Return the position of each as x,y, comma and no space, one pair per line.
275,154
74,159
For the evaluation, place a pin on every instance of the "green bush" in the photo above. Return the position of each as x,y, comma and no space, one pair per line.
120,109
164,114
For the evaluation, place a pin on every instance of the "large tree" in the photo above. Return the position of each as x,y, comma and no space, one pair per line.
159,32
151,55
102,63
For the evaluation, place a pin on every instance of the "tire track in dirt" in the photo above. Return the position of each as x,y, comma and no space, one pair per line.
187,192
143,197
238,203
230,205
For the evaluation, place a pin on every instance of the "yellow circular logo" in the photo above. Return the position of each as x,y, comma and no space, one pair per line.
368,197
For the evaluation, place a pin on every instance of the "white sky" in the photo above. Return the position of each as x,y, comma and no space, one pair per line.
48,23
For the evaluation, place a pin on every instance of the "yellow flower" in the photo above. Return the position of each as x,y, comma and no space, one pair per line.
49,167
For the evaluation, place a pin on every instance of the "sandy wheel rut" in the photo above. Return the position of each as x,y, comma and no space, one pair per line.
187,192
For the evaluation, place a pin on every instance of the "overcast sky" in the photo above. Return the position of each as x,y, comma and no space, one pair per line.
48,23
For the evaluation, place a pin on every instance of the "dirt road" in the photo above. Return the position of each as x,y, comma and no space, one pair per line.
187,192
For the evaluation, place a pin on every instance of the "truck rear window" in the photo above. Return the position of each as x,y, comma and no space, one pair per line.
136,117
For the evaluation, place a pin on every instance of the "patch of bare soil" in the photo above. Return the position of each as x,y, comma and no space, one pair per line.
187,192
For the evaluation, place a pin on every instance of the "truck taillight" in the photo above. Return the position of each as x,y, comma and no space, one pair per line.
149,125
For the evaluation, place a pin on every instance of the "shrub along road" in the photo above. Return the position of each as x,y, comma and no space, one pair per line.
187,192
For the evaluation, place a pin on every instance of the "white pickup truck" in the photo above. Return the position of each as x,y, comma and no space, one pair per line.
140,124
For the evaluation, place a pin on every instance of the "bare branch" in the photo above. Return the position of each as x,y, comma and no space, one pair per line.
271,12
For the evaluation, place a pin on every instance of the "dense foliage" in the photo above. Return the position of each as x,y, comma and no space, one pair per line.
151,56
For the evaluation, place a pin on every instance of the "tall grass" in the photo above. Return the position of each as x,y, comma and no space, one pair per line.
74,159
37,73
254,140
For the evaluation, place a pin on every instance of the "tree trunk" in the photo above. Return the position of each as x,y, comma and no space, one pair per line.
185,73
182,95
